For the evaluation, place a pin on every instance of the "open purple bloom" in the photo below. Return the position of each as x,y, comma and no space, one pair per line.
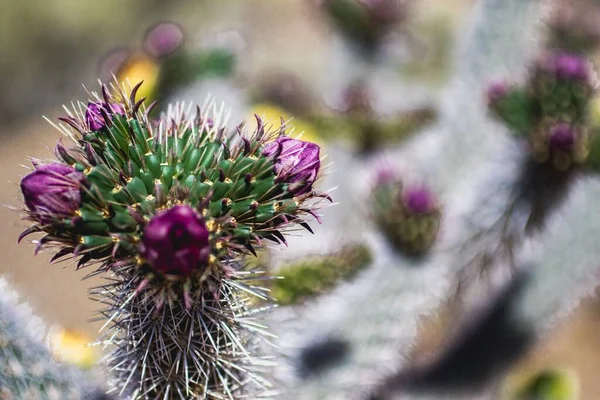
94,114
163,39
53,190
562,137
176,242
418,200
296,162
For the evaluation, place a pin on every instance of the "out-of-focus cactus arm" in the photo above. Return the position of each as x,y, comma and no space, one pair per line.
380,323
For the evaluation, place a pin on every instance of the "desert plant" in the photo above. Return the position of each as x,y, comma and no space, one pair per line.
167,211
27,369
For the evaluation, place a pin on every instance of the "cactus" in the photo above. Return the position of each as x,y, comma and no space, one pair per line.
408,216
27,369
376,318
364,22
573,25
310,277
167,211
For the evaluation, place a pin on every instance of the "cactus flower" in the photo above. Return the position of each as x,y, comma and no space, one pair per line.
94,115
53,189
297,162
176,241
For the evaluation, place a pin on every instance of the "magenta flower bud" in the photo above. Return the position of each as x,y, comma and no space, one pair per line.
566,66
296,162
562,137
570,66
53,190
418,200
163,39
496,91
385,176
176,242
94,117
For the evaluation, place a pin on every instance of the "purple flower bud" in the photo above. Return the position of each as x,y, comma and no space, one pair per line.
53,190
175,242
418,200
296,162
562,137
567,66
94,114
385,176
163,39
496,91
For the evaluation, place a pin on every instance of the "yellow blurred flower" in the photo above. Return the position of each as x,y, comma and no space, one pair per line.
271,116
137,68
595,112
72,347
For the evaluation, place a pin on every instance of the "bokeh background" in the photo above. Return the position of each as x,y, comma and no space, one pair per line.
50,50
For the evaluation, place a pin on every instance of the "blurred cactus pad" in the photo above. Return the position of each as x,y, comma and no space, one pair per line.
307,278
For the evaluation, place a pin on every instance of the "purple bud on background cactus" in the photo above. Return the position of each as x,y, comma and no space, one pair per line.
176,242
163,39
496,91
570,66
93,115
565,66
418,200
53,189
385,176
297,162
562,137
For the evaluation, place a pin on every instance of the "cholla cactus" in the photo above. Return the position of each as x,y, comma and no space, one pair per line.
551,110
574,25
408,216
27,370
169,209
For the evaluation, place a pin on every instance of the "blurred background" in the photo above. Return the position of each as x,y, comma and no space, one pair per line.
269,57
